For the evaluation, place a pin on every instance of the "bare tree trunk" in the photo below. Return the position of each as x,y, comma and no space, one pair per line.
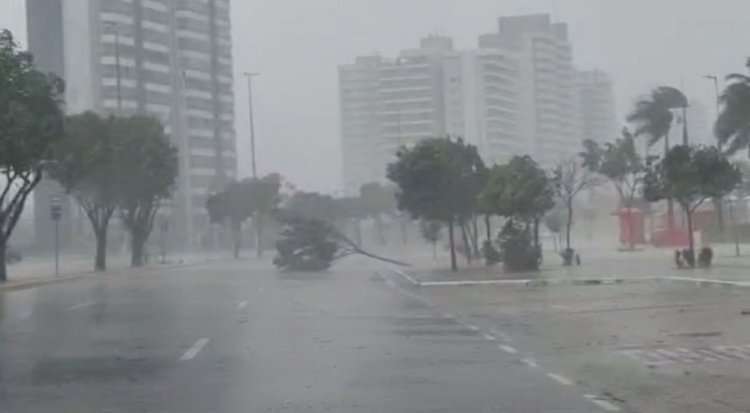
569,224
467,245
719,207
100,263
536,233
3,265
452,243
237,239
475,235
488,227
259,235
631,235
138,249
691,243
379,225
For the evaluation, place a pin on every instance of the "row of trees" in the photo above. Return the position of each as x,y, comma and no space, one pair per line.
114,165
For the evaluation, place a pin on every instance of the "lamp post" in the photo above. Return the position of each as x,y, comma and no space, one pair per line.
55,210
250,77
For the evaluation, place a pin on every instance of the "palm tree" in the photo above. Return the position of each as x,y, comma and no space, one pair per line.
653,117
733,125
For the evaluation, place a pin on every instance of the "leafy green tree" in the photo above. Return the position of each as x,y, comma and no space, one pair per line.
431,232
378,201
254,197
86,165
520,190
690,176
31,122
148,171
733,125
313,205
570,179
437,182
620,163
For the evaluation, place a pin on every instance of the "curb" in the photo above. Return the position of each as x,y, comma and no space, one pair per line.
25,285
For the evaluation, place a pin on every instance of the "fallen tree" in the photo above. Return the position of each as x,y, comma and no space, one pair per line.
309,244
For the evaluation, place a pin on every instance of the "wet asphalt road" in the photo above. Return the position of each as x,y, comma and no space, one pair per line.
236,338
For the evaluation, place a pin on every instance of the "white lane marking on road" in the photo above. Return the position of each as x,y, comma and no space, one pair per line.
602,403
242,305
710,281
508,349
560,379
193,351
472,327
489,337
407,277
502,335
82,305
531,363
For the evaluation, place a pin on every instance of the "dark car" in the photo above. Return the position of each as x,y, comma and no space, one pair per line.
12,255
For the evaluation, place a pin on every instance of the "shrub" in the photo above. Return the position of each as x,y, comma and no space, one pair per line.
517,249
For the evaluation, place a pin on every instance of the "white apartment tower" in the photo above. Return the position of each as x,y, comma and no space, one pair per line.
597,104
548,102
170,59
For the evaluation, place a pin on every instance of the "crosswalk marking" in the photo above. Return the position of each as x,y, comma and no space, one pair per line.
664,356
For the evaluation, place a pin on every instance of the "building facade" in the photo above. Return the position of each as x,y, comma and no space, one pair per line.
597,103
517,93
170,59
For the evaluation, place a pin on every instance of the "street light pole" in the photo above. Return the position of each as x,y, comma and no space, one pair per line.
250,77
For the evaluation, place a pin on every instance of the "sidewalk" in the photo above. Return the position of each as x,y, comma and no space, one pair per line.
598,267
39,271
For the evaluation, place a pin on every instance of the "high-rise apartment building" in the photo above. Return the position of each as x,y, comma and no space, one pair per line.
597,104
170,59
518,93
548,102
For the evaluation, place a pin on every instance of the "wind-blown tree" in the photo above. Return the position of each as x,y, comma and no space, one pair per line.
86,165
231,208
570,179
31,122
378,200
620,163
653,117
313,205
733,125
265,197
690,176
436,182
520,190
254,197
148,171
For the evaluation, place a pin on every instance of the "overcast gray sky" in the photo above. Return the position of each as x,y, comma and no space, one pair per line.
297,45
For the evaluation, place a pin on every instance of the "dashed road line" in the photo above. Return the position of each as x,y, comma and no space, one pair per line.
602,403
508,349
472,327
194,350
242,305
531,363
489,337
502,335
560,379
82,305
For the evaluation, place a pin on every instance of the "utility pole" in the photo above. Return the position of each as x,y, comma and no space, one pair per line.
250,77
56,214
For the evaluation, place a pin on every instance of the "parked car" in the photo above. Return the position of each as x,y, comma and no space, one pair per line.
12,255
